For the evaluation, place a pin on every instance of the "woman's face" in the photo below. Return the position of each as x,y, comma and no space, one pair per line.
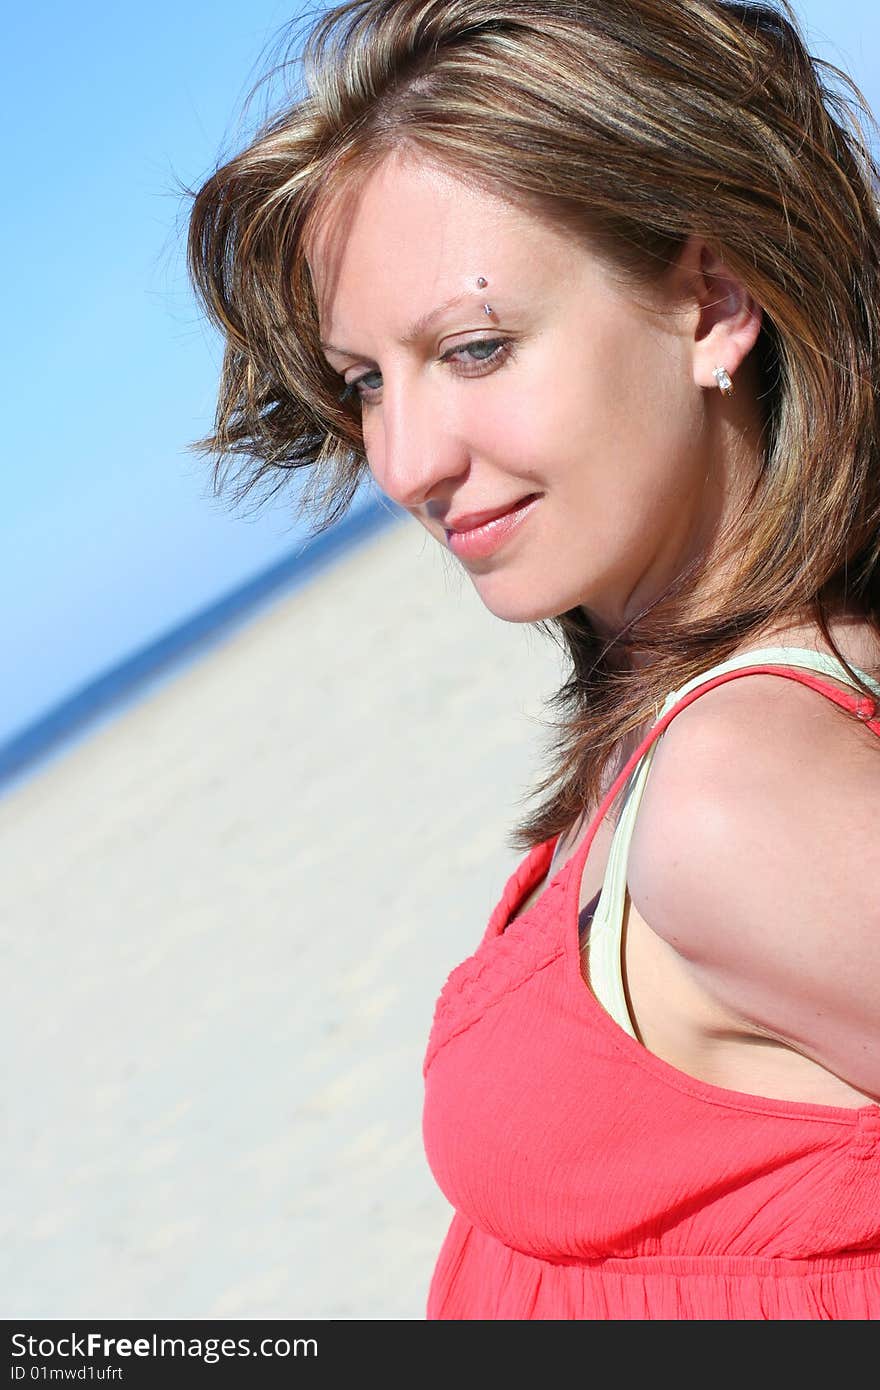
571,393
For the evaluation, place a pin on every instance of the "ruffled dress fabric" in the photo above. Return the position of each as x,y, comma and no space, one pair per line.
592,1180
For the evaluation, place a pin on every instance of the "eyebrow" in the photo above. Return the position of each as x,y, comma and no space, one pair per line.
416,330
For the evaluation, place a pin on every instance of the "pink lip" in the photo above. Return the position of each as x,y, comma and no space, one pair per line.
482,533
468,520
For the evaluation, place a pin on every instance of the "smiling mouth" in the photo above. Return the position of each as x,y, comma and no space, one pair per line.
474,520
482,540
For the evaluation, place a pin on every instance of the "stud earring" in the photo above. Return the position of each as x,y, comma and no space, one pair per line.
725,385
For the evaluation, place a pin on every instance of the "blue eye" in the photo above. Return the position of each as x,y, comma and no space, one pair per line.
496,351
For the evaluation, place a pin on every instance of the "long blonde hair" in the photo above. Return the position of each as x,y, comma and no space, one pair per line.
638,124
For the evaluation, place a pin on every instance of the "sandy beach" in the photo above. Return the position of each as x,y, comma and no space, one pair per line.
226,916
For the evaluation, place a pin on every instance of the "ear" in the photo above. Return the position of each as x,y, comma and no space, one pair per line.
728,319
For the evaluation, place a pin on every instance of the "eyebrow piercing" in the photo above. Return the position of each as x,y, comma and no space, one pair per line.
483,282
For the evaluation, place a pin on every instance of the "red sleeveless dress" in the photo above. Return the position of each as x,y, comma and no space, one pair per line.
592,1180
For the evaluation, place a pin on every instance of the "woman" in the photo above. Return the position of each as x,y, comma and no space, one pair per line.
592,290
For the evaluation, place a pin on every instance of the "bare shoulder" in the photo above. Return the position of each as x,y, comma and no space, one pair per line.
772,746
756,857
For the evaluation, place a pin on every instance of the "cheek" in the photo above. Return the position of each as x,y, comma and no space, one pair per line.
573,398
570,433
624,424
536,425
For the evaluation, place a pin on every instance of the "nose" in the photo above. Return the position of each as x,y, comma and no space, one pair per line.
415,453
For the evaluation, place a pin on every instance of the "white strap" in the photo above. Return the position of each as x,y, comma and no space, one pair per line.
606,929
777,656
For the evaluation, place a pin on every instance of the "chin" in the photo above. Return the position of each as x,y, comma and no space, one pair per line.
520,604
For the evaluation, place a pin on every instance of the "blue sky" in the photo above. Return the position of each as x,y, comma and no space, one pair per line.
109,534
